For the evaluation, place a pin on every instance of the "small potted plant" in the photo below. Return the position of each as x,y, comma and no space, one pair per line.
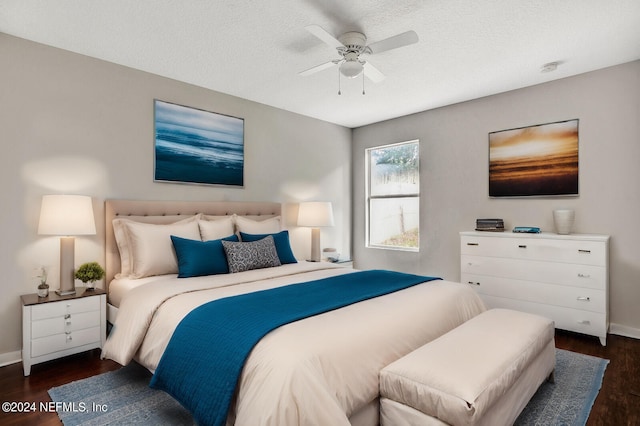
89,273
43,287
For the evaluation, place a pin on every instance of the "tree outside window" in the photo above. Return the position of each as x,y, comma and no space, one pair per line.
393,196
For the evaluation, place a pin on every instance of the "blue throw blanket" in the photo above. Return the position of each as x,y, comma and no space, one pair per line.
205,356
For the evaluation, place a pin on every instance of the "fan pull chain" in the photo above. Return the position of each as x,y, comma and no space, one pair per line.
339,92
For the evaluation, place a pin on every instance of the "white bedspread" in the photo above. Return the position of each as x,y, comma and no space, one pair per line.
317,371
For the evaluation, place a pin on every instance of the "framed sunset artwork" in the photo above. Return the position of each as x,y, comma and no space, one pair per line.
540,160
197,146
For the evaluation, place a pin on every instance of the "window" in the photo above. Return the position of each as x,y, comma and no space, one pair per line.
393,196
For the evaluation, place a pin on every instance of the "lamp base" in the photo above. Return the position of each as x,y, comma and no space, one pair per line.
65,292
315,245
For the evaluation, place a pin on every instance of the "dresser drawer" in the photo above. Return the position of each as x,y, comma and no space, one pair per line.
74,322
63,341
577,275
580,321
50,310
536,248
540,293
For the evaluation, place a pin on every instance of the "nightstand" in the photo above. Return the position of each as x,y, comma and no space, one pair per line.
57,326
345,263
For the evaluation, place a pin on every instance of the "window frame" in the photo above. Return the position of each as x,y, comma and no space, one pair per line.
369,197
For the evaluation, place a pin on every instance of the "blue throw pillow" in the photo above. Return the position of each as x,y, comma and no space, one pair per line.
281,240
197,258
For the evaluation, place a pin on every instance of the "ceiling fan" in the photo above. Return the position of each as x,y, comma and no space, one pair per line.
351,47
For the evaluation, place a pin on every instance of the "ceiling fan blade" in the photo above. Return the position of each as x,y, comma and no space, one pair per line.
317,68
373,73
319,32
400,40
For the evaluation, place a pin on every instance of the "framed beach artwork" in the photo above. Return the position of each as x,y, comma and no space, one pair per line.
540,160
196,146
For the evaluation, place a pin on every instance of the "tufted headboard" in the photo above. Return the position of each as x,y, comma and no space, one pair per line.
166,212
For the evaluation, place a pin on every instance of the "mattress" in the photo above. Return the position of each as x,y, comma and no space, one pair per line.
119,287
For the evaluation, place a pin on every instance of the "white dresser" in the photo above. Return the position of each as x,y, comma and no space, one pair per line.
57,326
562,277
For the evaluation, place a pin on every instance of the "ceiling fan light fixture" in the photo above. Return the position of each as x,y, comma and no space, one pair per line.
351,69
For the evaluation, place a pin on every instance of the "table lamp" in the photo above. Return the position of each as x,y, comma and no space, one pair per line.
66,215
315,214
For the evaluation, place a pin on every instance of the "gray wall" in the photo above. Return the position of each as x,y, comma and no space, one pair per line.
73,124
454,170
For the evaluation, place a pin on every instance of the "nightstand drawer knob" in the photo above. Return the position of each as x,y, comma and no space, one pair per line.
584,276
584,298
584,322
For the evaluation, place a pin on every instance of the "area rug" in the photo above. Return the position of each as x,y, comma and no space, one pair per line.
568,401
124,397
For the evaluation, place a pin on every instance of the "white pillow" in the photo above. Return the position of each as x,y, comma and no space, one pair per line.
122,239
216,229
151,249
268,226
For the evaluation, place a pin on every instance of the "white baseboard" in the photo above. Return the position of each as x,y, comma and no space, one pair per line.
10,358
624,330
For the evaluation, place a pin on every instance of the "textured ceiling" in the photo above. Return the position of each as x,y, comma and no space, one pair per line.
255,49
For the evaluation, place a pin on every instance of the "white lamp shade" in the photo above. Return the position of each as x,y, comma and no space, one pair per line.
66,215
315,214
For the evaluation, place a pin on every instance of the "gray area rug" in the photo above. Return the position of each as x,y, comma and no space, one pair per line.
568,401
124,397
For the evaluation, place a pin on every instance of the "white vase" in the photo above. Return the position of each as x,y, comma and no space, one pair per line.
563,219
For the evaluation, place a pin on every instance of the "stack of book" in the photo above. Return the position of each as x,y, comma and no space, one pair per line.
494,225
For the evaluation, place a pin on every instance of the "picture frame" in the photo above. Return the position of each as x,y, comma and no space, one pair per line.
535,161
197,146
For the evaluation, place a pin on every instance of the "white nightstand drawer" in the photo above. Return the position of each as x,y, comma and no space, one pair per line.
60,342
58,325
534,270
536,248
74,306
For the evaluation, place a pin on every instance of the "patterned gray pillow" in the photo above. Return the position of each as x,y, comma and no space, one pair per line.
251,255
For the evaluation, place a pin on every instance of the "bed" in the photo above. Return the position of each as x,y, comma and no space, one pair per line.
320,370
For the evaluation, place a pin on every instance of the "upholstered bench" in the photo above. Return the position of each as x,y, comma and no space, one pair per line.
481,373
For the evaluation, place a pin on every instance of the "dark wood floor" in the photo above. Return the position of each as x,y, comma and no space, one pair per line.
618,402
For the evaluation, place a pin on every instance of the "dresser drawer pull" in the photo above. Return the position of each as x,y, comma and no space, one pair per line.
584,299
522,246
584,275
69,338
584,251
473,244
584,322
473,283
67,316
